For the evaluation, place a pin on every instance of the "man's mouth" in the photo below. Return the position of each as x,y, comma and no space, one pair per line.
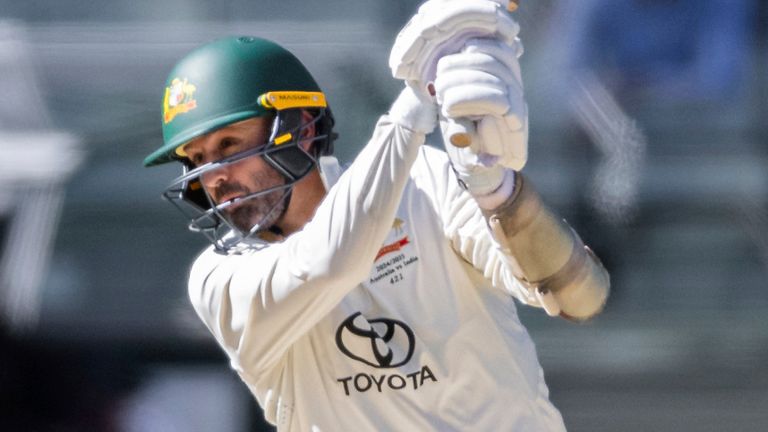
229,197
233,202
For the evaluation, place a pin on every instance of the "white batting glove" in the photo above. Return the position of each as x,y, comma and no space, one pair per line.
483,84
488,182
441,27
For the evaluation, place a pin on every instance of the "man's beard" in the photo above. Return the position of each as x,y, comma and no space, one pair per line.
263,210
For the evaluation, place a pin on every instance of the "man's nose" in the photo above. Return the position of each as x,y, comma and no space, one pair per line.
214,177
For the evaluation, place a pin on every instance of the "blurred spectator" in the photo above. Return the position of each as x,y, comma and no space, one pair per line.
646,80
674,50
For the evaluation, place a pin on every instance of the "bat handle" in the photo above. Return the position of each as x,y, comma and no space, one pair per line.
459,131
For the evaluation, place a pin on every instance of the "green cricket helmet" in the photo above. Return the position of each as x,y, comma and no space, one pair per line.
225,82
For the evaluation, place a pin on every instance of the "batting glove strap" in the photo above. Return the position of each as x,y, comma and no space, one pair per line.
501,194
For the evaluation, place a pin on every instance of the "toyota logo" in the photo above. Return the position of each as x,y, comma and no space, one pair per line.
382,342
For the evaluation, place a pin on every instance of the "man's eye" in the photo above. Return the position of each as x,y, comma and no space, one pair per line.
227,144
196,159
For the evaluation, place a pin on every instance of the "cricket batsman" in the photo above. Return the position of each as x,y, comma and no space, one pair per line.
380,298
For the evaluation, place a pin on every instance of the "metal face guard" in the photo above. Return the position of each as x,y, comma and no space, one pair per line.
282,153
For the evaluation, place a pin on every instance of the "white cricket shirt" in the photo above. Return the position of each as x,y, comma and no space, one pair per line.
392,310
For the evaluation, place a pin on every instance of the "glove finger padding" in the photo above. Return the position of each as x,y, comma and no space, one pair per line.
483,83
474,100
441,27
507,54
472,84
508,146
493,62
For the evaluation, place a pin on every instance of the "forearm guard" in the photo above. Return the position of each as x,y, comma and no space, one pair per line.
548,256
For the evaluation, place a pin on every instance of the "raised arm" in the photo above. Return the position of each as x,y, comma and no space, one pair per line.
482,87
258,302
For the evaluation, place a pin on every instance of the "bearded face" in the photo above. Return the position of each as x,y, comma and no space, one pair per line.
245,184
254,204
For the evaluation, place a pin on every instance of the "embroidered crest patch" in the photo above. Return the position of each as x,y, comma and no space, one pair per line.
179,98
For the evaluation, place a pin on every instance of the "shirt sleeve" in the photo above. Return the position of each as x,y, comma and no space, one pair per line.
465,226
259,302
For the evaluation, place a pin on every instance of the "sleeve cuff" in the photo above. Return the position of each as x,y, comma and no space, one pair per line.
414,111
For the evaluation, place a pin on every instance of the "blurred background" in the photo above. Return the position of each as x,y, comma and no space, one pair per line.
648,133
